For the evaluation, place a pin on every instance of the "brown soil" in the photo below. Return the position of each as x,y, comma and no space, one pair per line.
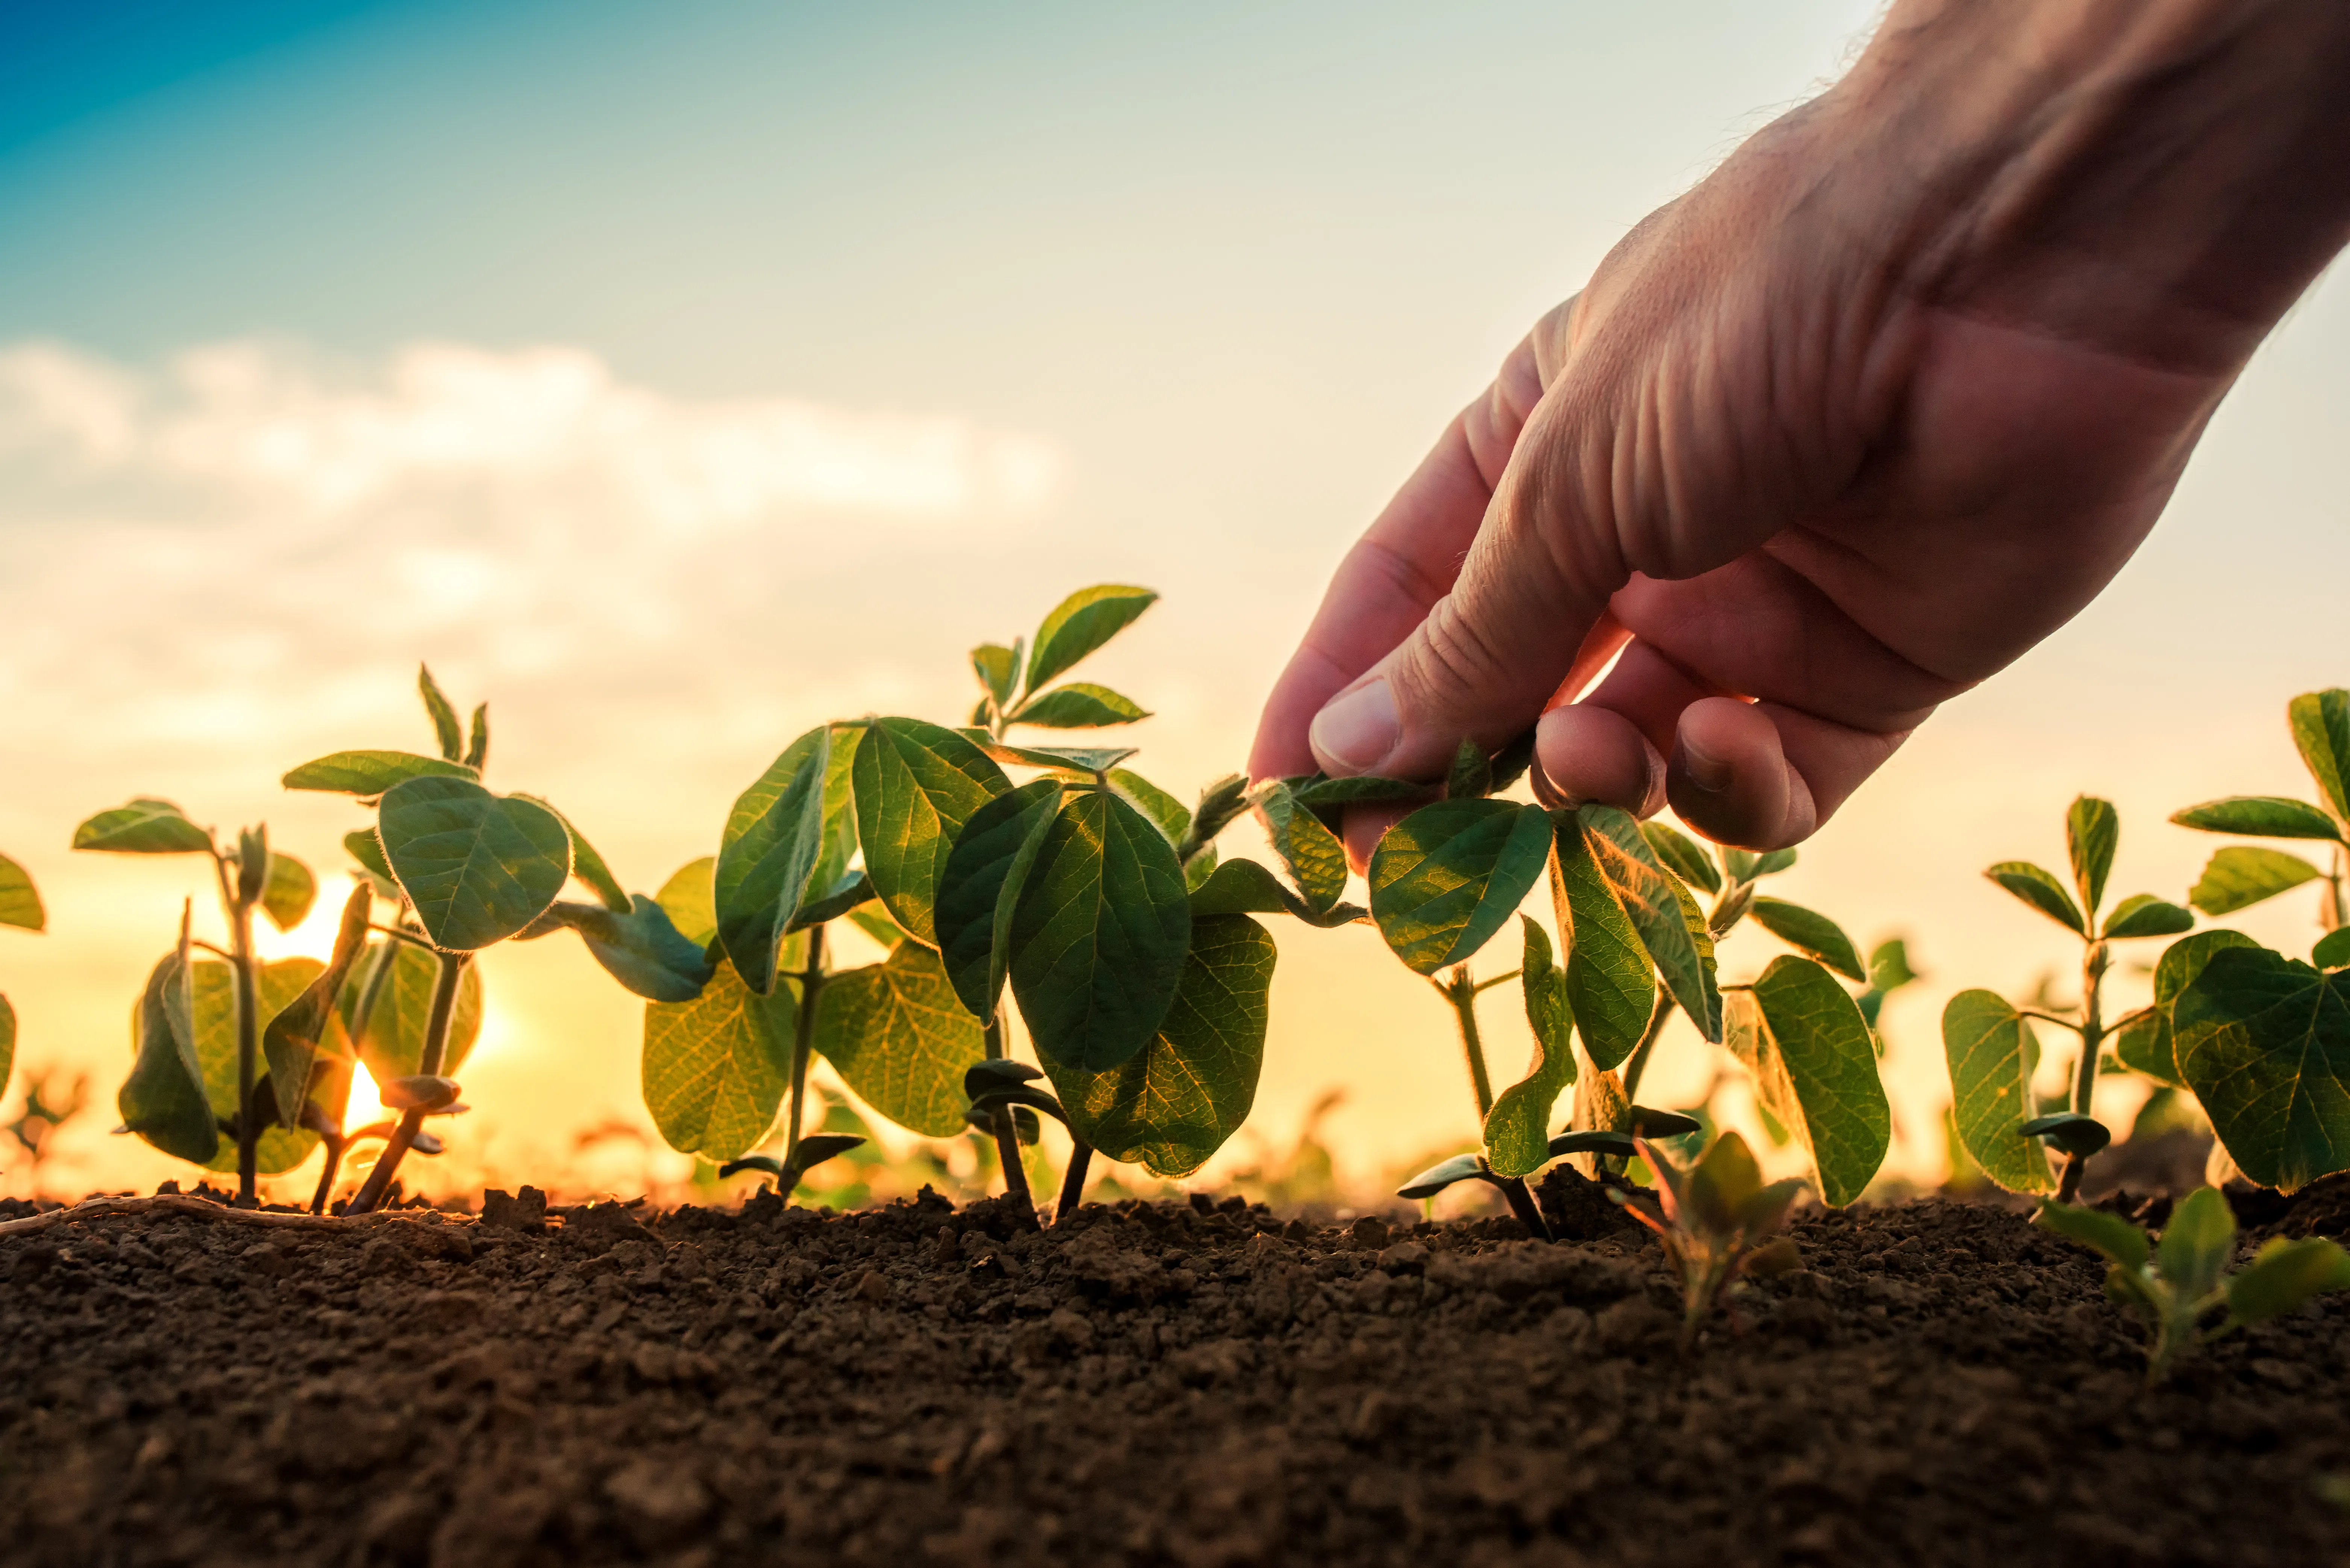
1940,1384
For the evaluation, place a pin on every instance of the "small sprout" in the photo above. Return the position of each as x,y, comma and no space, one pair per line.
2176,1286
814,1150
2069,1131
1716,1219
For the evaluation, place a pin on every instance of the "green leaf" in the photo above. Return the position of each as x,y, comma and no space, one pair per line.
2284,1274
391,1045
2070,1131
1681,855
1171,816
1244,887
586,864
1079,759
1599,1103
2093,829
2332,949
689,897
643,950
1082,623
214,1015
365,847
1611,983
2144,915
1079,705
1179,1099
917,784
290,1040
1814,934
1746,865
1618,1144
2260,817
7,1039
1316,859
874,921
2198,1244
998,669
2039,888
1326,797
898,1035
145,826
1471,777
477,868
368,774
2242,875
2264,1042
1221,805
1447,1173
477,751
163,1100
2121,1242
2321,728
768,856
1814,1066
1517,1141
715,1068
1603,855
1889,966
1099,937
1993,1053
444,717
979,892
1445,879
287,891
20,903
2146,1045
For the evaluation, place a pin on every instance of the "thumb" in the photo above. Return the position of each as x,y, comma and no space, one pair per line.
1524,619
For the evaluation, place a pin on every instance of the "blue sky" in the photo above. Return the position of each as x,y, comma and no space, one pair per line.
1164,294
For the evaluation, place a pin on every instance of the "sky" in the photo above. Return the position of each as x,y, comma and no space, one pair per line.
675,377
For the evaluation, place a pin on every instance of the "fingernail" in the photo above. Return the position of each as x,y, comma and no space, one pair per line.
1358,729
1705,770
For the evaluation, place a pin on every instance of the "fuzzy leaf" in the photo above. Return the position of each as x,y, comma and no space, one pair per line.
1681,855
1171,816
643,950
1445,879
1181,1098
1814,1065
2243,874
587,865
145,826
1082,623
477,868
1316,859
900,1038
917,784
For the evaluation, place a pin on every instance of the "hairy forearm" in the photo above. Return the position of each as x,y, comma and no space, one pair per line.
2156,178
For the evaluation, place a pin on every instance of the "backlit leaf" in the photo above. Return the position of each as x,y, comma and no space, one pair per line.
899,1036
1993,1053
287,891
163,1100
477,750
691,898
1316,859
1814,1065
1471,777
1746,865
477,868
2242,875
371,772
1082,623
2092,828
365,847
643,950
1446,1173
444,716
1326,796
2321,729
2148,1045
1099,937
1517,1141
290,1041
1179,1099
1814,933
145,826
998,669
768,856
392,1042
1173,817
1244,888
2039,888
2259,816
20,903
1445,879
1611,982
1888,965
1681,855
979,892
2144,915
2264,1042
1603,851
917,784
715,1069
214,1007
1079,705
1061,759
586,864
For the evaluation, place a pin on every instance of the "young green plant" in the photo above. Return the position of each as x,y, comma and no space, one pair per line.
20,906
1989,1041
1718,1221
2177,1287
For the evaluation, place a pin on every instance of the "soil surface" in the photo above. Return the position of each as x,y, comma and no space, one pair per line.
1187,1386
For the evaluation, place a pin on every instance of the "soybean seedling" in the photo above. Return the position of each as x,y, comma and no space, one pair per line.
1718,1222
208,1031
1989,1041
20,906
471,868
2177,1287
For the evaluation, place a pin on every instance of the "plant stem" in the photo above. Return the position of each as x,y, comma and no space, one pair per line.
1637,1061
371,991
335,1148
248,1037
2084,1078
1461,990
804,1042
1073,1180
1007,1130
2334,914
411,1120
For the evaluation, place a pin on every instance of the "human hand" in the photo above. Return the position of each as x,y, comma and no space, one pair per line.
1878,405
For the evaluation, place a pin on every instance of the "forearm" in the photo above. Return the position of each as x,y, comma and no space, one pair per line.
2156,178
